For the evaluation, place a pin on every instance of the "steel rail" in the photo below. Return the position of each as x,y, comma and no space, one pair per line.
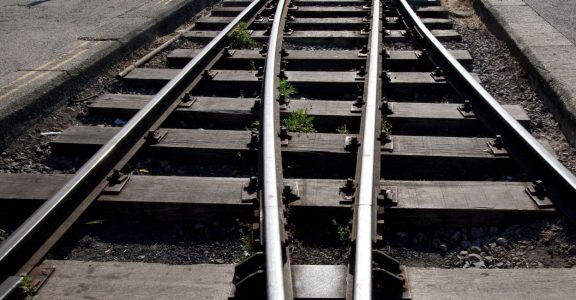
278,272
523,147
364,205
91,178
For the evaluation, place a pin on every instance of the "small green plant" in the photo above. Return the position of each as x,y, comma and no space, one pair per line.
253,126
95,222
342,231
241,38
27,287
252,65
247,246
299,121
386,129
286,89
342,129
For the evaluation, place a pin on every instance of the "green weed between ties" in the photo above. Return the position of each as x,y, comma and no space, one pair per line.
241,38
342,129
299,121
386,128
27,288
286,89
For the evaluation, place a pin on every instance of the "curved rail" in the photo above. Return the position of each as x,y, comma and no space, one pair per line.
543,165
77,194
364,205
278,273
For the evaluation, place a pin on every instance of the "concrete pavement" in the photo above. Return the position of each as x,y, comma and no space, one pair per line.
543,34
46,46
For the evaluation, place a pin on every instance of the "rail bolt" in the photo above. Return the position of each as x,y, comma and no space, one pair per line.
362,71
498,142
359,102
284,135
466,106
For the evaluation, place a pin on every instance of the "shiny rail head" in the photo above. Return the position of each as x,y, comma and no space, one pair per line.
363,208
91,177
541,164
278,273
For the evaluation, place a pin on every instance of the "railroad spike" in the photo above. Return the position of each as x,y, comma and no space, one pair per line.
466,106
438,74
186,98
253,185
361,72
539,194
264,50
364,51
387,107
386,76
290,193
359,102
117,177
155,136
498,142
284,135
351,143
228,52
386,53
257,104
283,100
260,72
254,139
497,146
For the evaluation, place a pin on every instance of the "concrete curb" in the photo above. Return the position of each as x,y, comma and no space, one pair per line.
545,53
27,105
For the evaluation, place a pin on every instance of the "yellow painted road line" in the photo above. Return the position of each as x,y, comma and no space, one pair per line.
44,73
41,68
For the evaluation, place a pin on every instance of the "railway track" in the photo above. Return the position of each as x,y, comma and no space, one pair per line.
371,71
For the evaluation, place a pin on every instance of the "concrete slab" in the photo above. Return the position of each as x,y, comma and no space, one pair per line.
129,280
117,280
72,36
556,59
543,35
558,13
482,284
505,2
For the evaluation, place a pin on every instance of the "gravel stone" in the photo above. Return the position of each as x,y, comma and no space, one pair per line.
443,248
474,257
501,241
475,249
